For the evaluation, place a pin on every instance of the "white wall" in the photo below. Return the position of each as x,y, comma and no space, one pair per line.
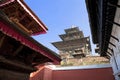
115,58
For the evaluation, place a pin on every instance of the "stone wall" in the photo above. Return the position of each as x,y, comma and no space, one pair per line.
85,61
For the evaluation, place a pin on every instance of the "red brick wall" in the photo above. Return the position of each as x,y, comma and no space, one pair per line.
84,74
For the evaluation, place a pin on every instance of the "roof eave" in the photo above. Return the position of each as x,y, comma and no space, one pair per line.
31,13
92,21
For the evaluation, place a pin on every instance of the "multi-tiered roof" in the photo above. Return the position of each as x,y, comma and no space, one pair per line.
74,42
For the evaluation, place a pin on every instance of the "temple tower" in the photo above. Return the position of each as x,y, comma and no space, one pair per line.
73,44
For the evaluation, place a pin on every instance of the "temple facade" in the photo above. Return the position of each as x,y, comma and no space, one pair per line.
19,52
104,18
73,44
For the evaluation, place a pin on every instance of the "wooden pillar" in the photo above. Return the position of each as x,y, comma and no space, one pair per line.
113,5
29,59
18,50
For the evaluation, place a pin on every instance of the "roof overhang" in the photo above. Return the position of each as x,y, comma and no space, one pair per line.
100,27
72,44
12,30
90,5
23,16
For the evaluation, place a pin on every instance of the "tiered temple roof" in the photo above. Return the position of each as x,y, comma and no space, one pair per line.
73,42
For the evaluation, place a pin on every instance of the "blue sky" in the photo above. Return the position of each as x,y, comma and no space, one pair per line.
58,15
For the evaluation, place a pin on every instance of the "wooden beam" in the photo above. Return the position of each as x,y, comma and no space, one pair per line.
15,65
114,5
110,49
32,22
11,6
35,64
13,14
23,16
115,38
15,20
113,22
18,50
29,59
112,44
17,13
110,54
2,40
7,10
41,62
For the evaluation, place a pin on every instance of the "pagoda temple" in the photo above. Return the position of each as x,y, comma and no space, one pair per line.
19,52
73,44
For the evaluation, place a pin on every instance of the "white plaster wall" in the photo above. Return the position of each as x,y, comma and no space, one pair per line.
115,59
112,61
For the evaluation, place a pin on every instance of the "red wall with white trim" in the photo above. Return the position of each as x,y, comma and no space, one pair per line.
84,74
79,74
